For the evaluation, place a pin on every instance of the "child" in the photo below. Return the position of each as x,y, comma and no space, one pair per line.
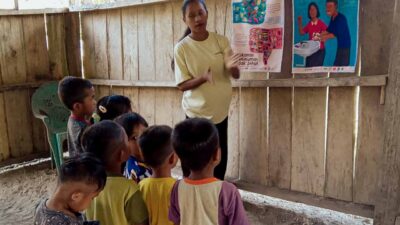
81,178
77,95
134,125
121,201
112,106
201,198
155,145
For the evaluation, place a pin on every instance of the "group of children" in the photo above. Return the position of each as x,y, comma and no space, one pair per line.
119,170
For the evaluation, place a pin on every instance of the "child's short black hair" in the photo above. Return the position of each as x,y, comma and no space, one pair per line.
129,121
316,7
103,139
155,144
83,168
195,141
109,107
333,1
72,90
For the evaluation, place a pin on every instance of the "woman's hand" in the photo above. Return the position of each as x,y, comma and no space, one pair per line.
232,64
208,77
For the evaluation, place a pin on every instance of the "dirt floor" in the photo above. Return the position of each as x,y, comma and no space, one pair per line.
23,186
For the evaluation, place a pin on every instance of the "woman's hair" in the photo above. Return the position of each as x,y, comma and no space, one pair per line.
110,107
187,31
129,121
316,7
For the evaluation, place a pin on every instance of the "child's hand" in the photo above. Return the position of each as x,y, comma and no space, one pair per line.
208,77
300,20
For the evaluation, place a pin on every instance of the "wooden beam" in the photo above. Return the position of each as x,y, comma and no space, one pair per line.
379,80
114,5
388,200
4,12
12,87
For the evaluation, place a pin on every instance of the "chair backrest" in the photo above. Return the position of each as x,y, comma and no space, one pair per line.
47,106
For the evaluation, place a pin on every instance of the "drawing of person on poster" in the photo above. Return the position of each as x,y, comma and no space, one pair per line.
332,36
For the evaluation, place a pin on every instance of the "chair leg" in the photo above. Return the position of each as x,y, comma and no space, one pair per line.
54,149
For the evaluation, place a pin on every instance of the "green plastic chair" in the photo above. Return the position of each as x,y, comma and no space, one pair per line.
47,106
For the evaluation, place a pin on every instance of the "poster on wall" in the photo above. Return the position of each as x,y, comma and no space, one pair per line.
325,36
258,34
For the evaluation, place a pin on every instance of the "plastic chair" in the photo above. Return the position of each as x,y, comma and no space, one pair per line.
47,106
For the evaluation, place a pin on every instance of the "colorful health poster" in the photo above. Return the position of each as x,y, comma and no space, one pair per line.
325,36
258,34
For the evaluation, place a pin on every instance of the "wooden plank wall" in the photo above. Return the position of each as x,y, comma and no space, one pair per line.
301,139
26,57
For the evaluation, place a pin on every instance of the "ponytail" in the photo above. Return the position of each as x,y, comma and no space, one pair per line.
187,32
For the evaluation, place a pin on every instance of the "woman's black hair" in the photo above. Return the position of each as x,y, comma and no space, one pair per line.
112,106
129,121
316,7
185,4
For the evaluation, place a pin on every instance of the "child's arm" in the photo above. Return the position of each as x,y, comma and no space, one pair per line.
174,214
232,204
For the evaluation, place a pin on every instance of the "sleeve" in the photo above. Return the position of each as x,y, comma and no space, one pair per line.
174,212
181,70
136,210
232,205
225,45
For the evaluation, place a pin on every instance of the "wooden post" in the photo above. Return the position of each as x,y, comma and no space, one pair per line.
388,203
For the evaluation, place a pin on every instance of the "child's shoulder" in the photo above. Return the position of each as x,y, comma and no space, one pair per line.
122,183
47,216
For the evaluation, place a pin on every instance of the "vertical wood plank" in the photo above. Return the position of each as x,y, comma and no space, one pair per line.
371,25
253,135
73,44
37,58
179,114
340,143
280,137
56,42
229,22
212,15
13,64
19,127
164,43
133,95
114,45
146,43
88,45
100,44
308,140
370,144
130,43
220,8
179,25
4,145
147,101
163,106
232,170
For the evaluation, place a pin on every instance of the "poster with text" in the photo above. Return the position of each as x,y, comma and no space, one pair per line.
258,34
325,36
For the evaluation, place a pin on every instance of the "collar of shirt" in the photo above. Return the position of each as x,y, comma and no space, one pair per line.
314,23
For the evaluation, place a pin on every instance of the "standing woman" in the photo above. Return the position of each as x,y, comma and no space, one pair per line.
203,64
314,28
